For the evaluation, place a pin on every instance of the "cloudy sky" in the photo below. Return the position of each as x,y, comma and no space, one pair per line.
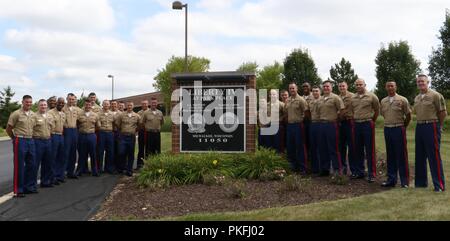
52,47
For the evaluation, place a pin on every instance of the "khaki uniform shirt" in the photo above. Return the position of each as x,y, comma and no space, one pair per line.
395,112
348,111
88,124
329,107
96,108
308,98
314,108
106,120
364,106
43,125
59,119
295,109
277,105
22,123
115,115
128,124
152,121
72,114
428,106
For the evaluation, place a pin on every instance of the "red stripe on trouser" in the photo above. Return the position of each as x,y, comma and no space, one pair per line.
338,153
374,164
436,153
405,154
16,165
305,154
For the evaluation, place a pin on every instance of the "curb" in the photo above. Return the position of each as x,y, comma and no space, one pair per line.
4,139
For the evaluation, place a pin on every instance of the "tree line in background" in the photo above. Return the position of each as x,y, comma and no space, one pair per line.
394,61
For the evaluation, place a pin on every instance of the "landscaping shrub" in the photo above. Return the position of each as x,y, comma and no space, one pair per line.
204,168
236,188
295,183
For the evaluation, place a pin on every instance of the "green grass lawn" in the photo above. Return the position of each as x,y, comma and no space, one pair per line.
396,204
2,132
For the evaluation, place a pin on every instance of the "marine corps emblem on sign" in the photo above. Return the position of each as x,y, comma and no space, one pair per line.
196,123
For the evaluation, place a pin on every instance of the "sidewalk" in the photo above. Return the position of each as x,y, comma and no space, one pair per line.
5,138
75,200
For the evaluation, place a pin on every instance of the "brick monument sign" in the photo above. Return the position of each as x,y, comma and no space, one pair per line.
214,111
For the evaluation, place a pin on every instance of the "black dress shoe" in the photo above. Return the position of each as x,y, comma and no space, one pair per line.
46,185
355,177
438,190
96,175
130,174
62,181
370,180
56,183
31,192
72,177
19,195
388,184
405,186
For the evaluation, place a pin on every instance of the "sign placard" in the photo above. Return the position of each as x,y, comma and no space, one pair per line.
213,118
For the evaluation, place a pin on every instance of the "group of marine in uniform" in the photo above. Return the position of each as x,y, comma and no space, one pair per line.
59,138
327,134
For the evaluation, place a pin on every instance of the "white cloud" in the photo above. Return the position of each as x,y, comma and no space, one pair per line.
80,15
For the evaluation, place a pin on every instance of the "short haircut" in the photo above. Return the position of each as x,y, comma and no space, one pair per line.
391,81
130,102
284,91
422,75
316,87
42,100
293,83
328,82
26,97
87,102
154,98
92,94
307,83
53,97
343,82
71,94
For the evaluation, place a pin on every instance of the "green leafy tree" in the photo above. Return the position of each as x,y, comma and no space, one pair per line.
343,71
396,62
299,67
249,67
176,65
439,64
83,99
7,106
270,77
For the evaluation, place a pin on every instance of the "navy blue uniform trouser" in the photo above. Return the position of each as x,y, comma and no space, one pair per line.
314,131
58,158
262,139
88,147
118,158
329,147
428,142
365,148
296,147
153,143
44,159
70,146
347,145
24,164
307,126
142,147
397,155
127,149
273,141
106,146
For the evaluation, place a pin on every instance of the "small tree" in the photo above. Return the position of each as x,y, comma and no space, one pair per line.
396,62
439,65
176,65
7,106
299,67
249,67
270,77
343,71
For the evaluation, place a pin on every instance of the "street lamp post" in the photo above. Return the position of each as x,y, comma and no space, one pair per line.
112,78
177,5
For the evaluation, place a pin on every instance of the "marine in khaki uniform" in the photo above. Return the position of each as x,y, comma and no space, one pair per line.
276,114
20,130
153,119
296,110
314,130
93,98
284,96
430,112
42,140
263,123
88,123
106,139
128,123
142,138
346,130
366,108
117,158
307,95
72,112
330,109
58,163
397,114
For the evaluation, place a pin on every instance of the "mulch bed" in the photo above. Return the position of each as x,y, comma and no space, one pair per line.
130,201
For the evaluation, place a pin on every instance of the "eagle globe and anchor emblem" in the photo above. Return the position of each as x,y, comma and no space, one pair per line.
228,123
